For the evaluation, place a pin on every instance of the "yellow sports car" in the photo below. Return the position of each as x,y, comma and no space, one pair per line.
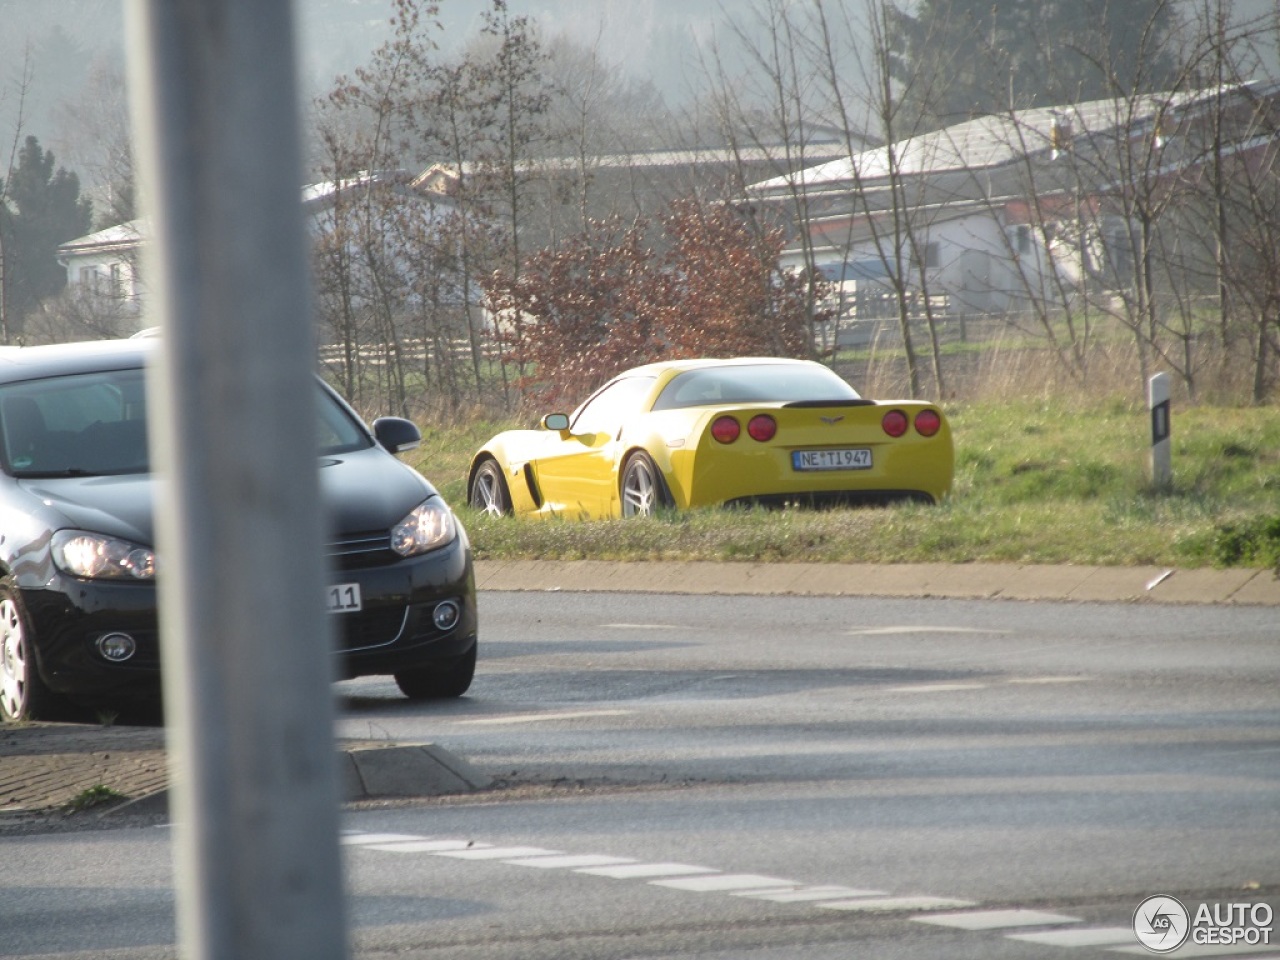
689,433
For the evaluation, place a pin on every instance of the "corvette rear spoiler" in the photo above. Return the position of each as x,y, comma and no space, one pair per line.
861,402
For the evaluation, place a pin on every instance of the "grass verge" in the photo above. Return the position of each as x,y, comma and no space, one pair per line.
1037,481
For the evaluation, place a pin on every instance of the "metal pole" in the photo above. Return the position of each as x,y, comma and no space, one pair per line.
1161,429
247,663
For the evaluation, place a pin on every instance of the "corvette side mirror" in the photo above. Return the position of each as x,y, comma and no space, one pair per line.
556,421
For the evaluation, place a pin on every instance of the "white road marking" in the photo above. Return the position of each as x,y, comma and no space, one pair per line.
645,870
996,919
1045,680
683,876
893,631
428,846
725,882
539,717
643,626
1190,949
811,893
495,853
572,860
937,687
1080,937
362,839
886,904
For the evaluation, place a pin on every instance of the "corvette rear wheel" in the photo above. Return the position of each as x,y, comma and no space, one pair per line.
643,490
489,493
23,695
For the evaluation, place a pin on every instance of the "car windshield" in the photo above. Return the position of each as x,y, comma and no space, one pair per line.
95,424
753,383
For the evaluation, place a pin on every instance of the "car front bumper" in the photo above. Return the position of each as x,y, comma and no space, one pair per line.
395,629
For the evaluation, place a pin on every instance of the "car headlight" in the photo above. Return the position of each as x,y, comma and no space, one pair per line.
429,526
96,557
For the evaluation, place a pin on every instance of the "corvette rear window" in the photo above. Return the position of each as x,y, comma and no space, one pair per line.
753,383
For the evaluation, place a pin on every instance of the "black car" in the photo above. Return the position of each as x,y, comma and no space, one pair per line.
78,607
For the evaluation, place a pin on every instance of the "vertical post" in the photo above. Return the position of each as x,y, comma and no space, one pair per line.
1161,456
246,652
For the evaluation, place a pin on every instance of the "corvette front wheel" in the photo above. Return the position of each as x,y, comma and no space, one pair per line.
643,490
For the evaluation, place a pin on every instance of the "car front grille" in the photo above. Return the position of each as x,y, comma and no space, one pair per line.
369,628
359,550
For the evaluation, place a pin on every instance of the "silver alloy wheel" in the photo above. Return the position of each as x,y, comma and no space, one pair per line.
14,668
488,491
639,487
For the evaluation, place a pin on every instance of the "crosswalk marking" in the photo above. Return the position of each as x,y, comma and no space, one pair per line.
539,717
996,919
478,852
642,871
569,860
361,839
888,904
1080,937
724,882
893,631
811,893
1202,950
941,911
428,846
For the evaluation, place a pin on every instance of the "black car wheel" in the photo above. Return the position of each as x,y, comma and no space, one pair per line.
643,490
449,679
23,695
489,492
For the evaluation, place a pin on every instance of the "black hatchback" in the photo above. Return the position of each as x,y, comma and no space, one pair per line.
78,606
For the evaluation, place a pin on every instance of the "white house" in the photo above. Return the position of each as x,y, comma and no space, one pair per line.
991,213
104,266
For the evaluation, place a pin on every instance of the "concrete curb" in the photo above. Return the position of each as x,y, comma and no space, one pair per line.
912,580
382,770
375,770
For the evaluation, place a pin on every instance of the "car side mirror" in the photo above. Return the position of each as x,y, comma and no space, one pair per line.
396,434
556,421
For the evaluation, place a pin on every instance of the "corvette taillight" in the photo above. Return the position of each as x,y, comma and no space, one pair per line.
762,427
928,423
895,423
726,429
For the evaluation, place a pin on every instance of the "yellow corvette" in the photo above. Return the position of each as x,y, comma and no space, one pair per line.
689,433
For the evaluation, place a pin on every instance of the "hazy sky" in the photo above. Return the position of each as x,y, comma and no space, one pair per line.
656,40
653,39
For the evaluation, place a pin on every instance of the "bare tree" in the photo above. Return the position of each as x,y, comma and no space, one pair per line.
22,84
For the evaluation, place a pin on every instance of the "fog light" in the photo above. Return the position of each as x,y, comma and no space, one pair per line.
117,647
446,615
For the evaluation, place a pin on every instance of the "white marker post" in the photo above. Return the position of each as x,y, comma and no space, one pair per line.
1161,455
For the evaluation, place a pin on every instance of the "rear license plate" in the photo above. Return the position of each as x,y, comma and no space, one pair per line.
343,598
855,458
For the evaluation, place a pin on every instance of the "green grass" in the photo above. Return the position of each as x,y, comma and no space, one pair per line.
1037,481
95,796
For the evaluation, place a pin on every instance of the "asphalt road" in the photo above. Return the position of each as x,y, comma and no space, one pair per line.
777,777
